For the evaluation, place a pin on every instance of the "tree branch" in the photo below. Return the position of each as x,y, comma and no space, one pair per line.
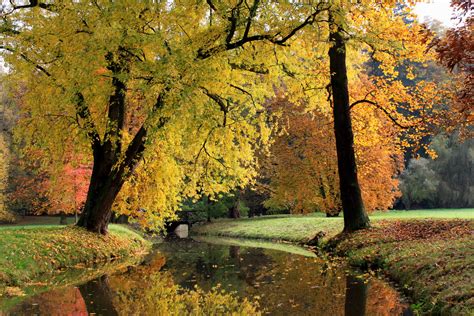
252,13
211,5
387,113
136,148
30,4
233,22
258,69
245,92
218,99
204,53
82,111
24,57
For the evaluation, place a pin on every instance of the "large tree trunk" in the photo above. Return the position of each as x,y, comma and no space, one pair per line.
112,167
103,189
355,216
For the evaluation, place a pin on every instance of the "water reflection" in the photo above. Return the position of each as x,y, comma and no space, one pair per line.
98,296
282,283
356,296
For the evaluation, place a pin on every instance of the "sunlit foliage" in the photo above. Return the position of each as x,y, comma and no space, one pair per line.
168,97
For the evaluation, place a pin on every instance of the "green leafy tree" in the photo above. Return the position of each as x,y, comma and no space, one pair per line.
444,181
419,184
454,165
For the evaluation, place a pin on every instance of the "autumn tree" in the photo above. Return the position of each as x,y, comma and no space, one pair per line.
37,183
171,85
381,33
303,164
167,97
5,155
301,168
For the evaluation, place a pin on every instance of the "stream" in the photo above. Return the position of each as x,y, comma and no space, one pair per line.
283,279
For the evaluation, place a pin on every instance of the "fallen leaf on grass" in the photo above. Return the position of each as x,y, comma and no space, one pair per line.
13,291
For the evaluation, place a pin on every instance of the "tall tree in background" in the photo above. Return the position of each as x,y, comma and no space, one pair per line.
301,175
378,32
355,216
443,182
6,156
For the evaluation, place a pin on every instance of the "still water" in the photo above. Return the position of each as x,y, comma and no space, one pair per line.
177,271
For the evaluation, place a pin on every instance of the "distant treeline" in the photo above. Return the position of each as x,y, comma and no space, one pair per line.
444,182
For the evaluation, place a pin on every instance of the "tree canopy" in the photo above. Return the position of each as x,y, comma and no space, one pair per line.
168,99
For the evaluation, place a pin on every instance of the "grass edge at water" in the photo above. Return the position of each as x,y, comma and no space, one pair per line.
30,251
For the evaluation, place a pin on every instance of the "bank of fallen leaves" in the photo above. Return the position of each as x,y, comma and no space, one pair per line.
27,253
433,260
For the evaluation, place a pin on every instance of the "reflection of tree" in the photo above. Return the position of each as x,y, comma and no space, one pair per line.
201,263
64,301
145,292
142,290
356,296
294,285
384,300
98,296
287,284
254,265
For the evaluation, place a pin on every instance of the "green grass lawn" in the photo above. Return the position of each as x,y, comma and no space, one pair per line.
29,251
301,228
39,220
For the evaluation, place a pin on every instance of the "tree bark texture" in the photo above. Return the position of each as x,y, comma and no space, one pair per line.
355,216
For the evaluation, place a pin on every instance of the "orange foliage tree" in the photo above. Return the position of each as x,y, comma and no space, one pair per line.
44,190
302,165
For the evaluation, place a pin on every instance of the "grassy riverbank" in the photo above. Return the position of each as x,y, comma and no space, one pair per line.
301,228
27,252
429,253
